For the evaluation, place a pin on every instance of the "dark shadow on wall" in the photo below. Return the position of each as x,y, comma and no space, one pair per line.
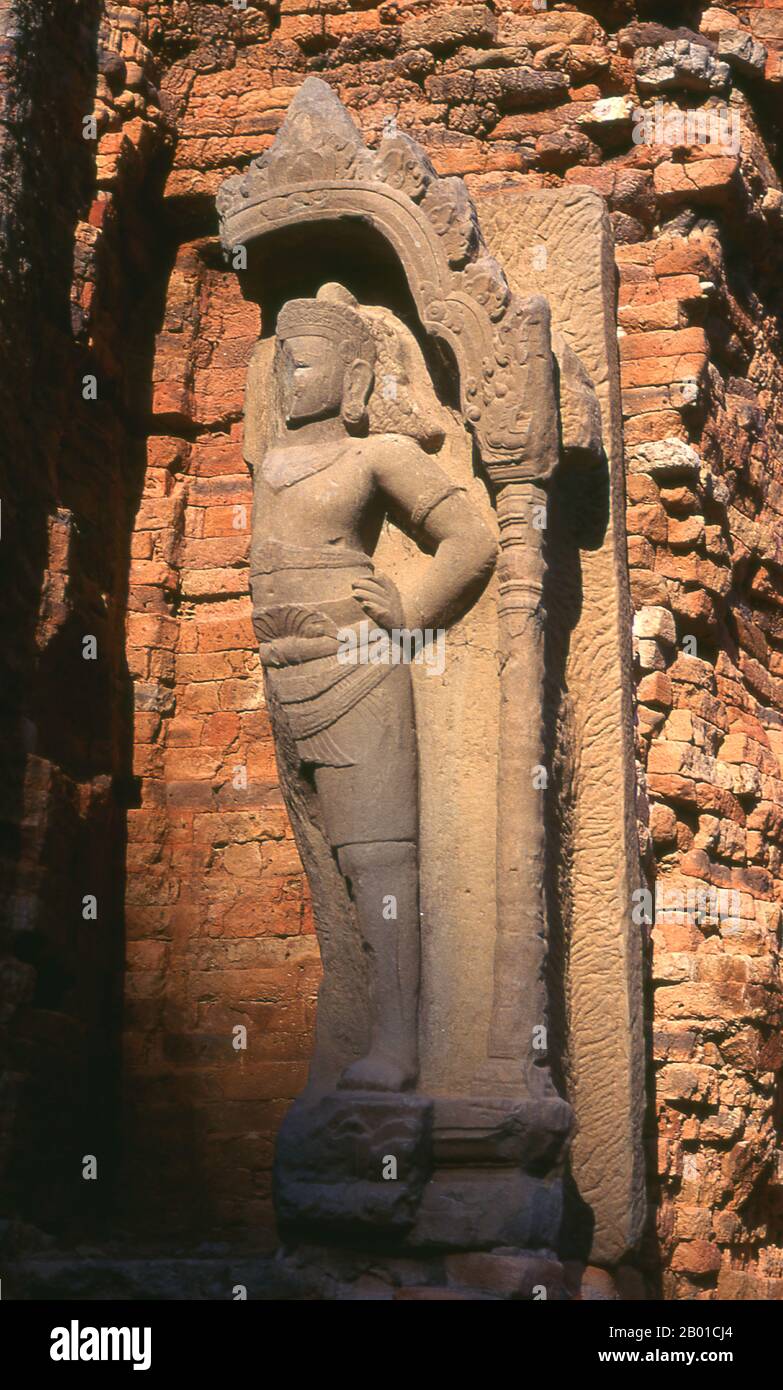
72,472
45,178
577,517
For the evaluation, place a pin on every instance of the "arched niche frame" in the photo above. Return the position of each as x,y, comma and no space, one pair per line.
318,170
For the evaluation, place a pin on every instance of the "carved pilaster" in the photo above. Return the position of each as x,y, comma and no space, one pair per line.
519,1004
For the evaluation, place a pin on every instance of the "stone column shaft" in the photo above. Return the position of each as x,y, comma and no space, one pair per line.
519,998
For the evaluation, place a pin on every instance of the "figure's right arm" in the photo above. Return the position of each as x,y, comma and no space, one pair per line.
465,548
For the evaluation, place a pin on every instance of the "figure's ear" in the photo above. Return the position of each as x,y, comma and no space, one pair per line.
357,386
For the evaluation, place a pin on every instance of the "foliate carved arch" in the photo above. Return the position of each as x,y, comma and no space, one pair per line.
319,170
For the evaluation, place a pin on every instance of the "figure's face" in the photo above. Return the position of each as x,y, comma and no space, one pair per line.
312,378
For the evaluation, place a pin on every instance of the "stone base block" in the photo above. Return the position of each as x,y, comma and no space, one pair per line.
477,1210
530,1134
411,1172
353,1164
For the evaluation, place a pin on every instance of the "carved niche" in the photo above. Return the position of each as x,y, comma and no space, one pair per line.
510,849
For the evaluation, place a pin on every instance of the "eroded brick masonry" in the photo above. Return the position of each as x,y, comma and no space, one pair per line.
147,777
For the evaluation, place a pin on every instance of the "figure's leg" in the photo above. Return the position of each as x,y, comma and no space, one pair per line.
383,879
370,815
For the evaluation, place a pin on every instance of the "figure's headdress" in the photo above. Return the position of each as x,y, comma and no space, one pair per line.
402,400
330,315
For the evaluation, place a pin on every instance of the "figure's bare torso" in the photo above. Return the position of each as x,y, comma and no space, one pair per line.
323,496
328,504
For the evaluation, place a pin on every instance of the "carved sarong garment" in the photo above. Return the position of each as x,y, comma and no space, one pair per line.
310,688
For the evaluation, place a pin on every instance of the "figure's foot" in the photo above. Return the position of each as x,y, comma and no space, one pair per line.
378,1072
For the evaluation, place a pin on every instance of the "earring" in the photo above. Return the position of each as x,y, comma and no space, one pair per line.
354,414
355,393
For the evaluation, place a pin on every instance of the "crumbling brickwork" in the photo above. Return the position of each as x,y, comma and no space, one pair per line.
672,112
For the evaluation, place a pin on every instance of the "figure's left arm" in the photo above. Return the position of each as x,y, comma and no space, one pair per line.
465,548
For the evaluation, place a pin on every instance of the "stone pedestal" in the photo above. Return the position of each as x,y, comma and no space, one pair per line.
412,1173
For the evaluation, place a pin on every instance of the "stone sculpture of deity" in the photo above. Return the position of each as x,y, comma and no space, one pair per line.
347,446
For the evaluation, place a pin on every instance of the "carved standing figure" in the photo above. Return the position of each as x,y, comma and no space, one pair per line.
338,443
343,451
